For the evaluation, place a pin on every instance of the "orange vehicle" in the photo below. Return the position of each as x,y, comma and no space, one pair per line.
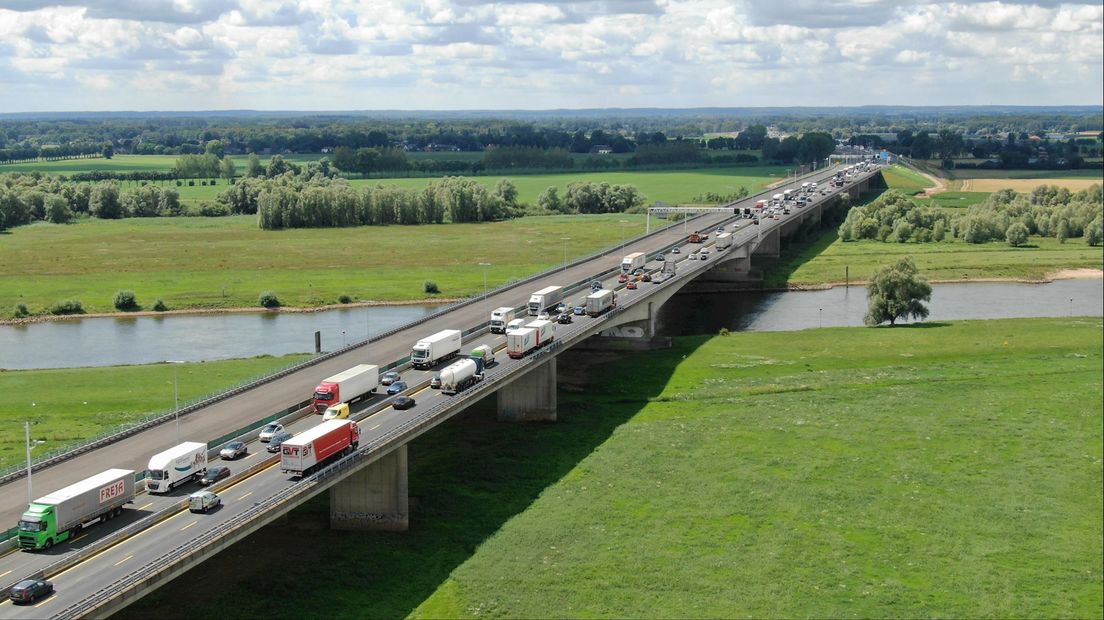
697,237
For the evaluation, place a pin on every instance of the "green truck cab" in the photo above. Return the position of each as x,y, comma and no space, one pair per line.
56,517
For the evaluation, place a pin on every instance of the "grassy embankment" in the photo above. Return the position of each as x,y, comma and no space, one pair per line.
74,404
941,470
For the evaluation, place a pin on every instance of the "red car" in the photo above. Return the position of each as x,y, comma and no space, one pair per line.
623,278
631,286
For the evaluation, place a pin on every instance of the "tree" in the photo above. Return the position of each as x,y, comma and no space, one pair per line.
107,151
344,159
254,167
922,146
549,200
104,201
897,292
1094,232
227,168
506,191
216,148
57,210
1016,235
276,167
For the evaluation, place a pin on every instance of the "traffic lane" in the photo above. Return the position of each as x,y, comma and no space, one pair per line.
233,413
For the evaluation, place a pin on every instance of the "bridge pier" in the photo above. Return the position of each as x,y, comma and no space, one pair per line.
769,245
374,498
532,397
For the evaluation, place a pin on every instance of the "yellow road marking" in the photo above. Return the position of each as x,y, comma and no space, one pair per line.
124,560
376,426
420,391
189,525
250,455
44,602
146,506
245,496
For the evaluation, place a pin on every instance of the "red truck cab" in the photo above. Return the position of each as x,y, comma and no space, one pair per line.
327,393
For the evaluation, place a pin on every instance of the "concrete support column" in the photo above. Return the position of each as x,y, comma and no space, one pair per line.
769,246
532,398
374,498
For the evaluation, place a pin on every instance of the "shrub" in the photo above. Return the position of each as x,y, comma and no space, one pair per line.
268,299
431,287
69,306
1094,232
126,301
191,183
724,331
159,306
1016,235
210,209
21,311
345,299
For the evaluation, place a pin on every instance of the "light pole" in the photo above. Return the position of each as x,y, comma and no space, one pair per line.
820,316
621,225
484,266
565,240
176,396
27,431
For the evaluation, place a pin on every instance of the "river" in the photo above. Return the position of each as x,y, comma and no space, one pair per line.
141,340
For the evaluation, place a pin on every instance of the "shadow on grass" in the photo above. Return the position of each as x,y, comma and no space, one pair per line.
468,477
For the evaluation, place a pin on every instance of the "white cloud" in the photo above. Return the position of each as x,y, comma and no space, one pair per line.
327,54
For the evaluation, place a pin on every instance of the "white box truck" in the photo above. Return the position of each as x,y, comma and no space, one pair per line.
597,303
545,299
520,341
175,466
633,261
515,325
459,376
545,331
56,517
723,241
346,386
443,345
500,317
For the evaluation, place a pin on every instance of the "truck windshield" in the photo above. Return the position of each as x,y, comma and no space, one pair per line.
418,354
321,396
156,474
31,526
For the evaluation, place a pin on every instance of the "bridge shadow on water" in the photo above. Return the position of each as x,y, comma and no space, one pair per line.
468,477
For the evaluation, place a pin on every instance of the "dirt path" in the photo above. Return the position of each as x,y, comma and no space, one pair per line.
940,184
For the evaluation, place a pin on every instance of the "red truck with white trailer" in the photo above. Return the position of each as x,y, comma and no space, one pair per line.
346,386
301,455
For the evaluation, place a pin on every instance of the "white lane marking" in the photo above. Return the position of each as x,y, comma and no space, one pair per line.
123,560
245,496
146,506
189,525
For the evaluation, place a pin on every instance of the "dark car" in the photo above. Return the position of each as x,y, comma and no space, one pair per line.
214,474
30,590
676,251
396,387
595,286
646,277
277,440
435,382
403,402
564,319
389,377
659,258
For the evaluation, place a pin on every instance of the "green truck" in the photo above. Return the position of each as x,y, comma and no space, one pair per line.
58,516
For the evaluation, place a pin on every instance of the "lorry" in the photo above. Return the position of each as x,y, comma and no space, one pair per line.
723,241
56,517
789,194
515,325
545,331
346,386
301,455
632,262
175,466
760,204
520,341
443,345
597,303
459,376
806,188
483,352
777,199
697,237
499,318
545,299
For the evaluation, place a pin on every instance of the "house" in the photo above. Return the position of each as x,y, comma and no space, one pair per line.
602,149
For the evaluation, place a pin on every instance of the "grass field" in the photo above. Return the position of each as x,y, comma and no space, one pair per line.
828,259
73,404
227,262
1025,174
904,180
943,470
953,200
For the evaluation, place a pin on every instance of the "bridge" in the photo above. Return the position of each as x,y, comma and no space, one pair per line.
112,564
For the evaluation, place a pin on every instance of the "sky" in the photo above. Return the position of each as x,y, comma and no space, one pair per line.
69,55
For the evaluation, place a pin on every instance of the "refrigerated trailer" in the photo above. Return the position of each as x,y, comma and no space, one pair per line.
441,346
346,386
599,302
301,455
632,262
56,517
175,466
500,317
545,299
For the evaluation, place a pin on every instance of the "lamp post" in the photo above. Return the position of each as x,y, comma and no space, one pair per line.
565,240
30,446
820,316
176,396
621,225
484,266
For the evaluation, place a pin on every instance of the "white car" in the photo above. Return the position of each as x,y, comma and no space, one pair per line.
203,501
693,257
270,430
543,316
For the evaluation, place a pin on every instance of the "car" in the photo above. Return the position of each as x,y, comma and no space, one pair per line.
646,277
435,382
704,254
403,402
595,286
720,229
631,286
693,257
579,310
270,430
336,412
564,319
638,272
623,278
214,474
659,258
676,251
278,440
233,450
203,501
543,316
735,224
560,309
785,211
30,590
396,387
389,377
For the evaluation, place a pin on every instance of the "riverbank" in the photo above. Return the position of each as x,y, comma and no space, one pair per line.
837,472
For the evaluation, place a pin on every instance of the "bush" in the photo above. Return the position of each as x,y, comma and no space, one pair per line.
724,332
126,301
69,306
1016,235
431,287
345,299
159,306
21,311
191,183
268,299
210,209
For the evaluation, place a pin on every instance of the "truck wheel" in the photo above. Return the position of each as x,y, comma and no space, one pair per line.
49,543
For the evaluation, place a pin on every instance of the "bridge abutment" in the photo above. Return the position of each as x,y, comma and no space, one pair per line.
374,498
531,398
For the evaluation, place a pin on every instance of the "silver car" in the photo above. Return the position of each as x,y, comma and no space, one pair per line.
270,430
233,450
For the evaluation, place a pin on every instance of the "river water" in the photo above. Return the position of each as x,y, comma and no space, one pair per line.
141,340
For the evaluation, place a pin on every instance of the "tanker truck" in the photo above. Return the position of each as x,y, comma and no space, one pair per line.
459,376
